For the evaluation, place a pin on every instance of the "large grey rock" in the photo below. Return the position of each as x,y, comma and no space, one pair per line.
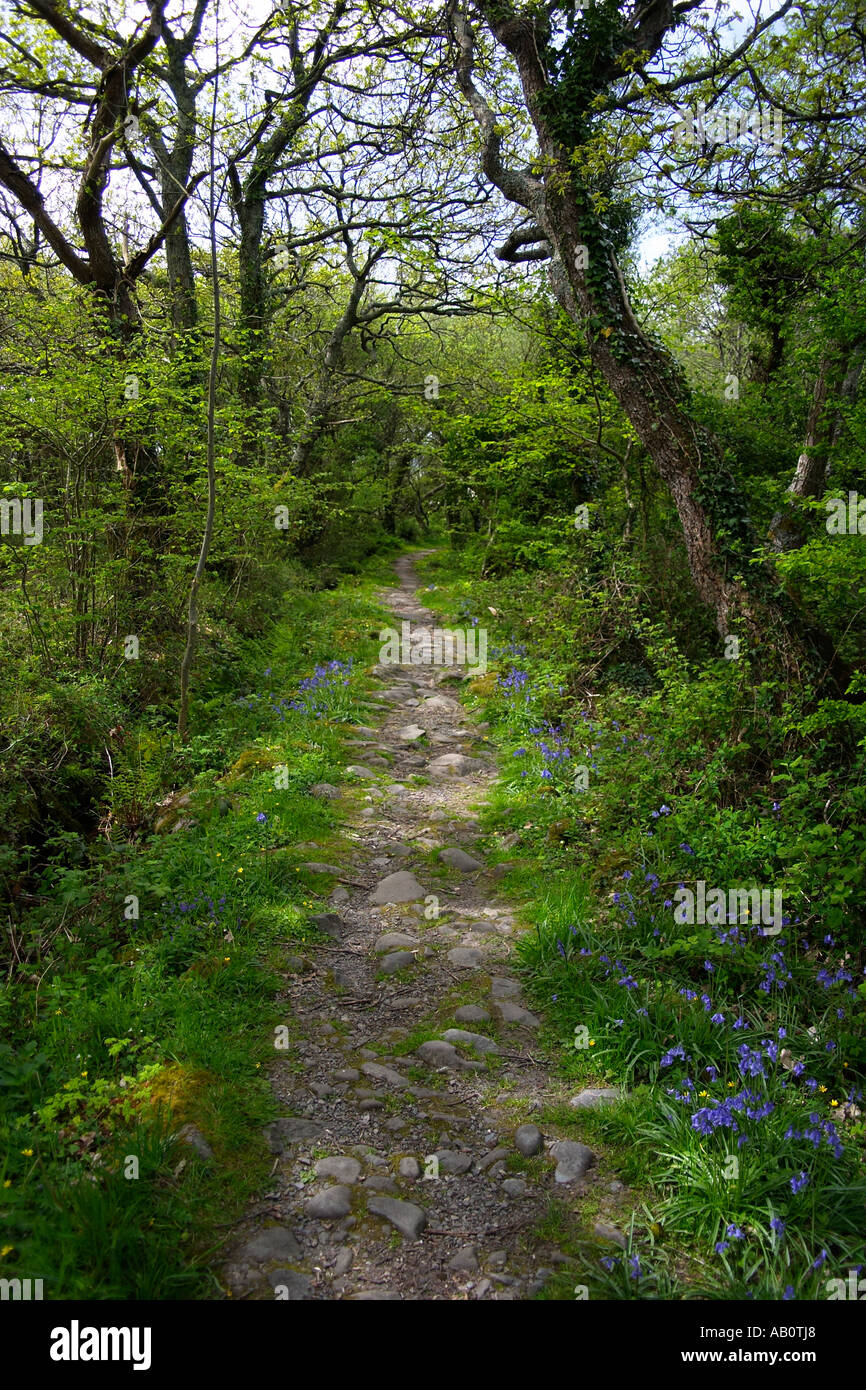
409,1167
410,733
401,887
324,791
476,1040
393,941
465,956
356,770
503,988
341,1169
274,1243
459,859
594,1097
453,765
290,1130
313,866
452,1162
331,1204
408,1219
471,1013
397,960
529,1140
388,1074
573,1160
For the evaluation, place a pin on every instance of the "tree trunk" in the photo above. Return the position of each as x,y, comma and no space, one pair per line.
644,378
837,384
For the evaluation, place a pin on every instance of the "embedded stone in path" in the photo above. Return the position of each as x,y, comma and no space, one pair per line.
441,702
491,1157
329,923
393,940
401,887
408,1219
291,1130
573,1160
510,1012
471,1013
476,1040
594,1097
312,866
356,770
453,765
331,1204
274,1243
409,1167
380,1073
502,988
529,1140
397,960
323,791
343,1170
459,859
465,1259
514,1187
452,1162
466,956
410,733
290,1286
440,1054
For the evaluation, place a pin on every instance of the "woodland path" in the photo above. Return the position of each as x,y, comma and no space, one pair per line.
350,1213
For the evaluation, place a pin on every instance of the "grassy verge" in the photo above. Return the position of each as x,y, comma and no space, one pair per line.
149,1004
737,1040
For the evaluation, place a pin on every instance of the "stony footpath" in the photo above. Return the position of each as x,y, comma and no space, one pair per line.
406,1168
